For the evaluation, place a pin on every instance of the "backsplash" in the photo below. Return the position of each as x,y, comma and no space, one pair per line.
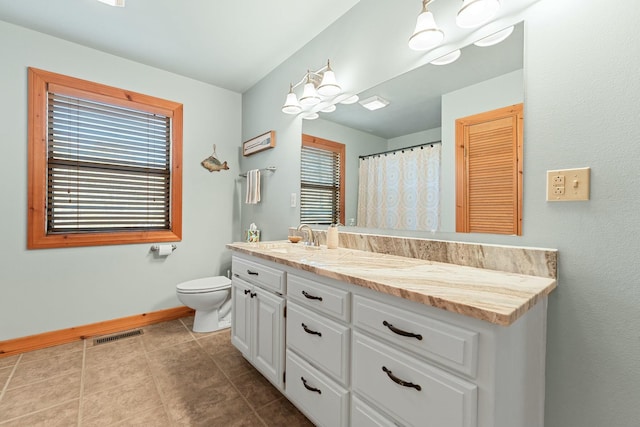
513,259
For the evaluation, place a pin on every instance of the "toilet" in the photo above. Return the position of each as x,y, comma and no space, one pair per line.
209,297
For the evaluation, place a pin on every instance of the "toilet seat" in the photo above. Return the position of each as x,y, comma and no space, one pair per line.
204,285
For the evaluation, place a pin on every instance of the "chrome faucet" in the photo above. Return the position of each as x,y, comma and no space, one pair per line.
311,241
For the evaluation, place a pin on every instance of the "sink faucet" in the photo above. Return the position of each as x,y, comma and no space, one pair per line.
311,241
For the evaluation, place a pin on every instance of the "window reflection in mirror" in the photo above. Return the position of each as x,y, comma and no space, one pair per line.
424,105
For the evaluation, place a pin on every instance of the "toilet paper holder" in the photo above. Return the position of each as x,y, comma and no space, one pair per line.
156,248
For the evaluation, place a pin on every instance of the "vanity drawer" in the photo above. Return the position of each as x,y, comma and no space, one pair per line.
267,277
428,397
447,344
363,415
321,341
321,399
332,301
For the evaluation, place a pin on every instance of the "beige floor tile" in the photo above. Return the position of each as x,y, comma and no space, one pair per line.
49,352
41,369
99,377
283,413
165,334
256,389
97,355
184,369
8,361
155,417
217,342
41,395
118,403
213,405
62,415
232,363
4,376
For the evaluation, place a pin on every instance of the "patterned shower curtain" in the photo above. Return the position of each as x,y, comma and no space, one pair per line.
401,190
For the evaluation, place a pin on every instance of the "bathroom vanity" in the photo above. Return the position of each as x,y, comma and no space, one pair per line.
371,339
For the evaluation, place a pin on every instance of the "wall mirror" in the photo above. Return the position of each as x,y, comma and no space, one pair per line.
423,106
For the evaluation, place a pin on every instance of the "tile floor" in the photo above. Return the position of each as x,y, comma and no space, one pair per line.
169,376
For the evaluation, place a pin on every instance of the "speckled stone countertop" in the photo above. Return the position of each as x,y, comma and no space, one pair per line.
493,296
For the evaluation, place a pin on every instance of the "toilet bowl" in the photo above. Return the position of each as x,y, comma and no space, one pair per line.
209,297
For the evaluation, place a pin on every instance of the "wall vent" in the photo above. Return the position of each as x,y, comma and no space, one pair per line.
116,337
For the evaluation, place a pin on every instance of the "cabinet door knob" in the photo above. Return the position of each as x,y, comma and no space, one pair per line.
308,387
399,381
309,296
252,294
401,332
246,291
309,331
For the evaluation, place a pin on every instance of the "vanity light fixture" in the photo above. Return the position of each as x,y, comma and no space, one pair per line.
374,103
118,3
495,38
448,58
426,35
321,92
474,13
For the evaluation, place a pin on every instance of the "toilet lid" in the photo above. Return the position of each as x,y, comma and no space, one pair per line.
204,284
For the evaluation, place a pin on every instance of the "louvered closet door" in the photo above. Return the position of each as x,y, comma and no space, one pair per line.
489,172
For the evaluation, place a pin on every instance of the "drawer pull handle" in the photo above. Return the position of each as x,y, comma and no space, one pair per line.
252,273
309,331
401,332
308,387
399,381
246,291
311,296
252,294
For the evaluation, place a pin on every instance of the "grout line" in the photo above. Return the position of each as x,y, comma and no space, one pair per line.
163,398
6,384
82,375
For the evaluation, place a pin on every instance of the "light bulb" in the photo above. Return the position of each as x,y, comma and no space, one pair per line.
426,35
329,85
291,105
309,95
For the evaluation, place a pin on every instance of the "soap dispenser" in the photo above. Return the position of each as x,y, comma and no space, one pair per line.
332,236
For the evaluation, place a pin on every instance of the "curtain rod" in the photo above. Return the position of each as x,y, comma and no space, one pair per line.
269,168
400,149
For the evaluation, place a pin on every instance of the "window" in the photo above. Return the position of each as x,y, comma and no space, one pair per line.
489,172
104,164
321,181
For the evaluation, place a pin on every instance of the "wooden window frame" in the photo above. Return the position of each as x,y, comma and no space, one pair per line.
37,237
462,172
340,149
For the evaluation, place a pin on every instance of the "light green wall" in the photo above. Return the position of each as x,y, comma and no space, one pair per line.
50,289
581,109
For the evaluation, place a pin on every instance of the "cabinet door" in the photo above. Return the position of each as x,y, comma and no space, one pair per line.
241,316
268,331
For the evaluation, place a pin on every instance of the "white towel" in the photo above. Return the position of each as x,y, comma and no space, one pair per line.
253,187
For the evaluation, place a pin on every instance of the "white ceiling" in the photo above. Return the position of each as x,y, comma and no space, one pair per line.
228,43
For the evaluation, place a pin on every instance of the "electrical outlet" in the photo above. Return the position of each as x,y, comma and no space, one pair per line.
578,180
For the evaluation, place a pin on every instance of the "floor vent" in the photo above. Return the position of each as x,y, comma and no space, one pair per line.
116,337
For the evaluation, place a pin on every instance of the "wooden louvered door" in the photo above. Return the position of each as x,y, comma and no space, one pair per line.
489,172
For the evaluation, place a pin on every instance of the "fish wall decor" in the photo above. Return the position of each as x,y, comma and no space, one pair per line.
212,164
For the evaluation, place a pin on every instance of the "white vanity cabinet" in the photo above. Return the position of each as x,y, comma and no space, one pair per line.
358,357
257,320
318,350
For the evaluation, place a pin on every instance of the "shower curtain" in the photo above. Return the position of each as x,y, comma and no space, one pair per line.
400,190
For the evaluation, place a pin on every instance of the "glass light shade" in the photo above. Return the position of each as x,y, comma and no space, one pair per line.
426,34
309,115
447,59
291,105
329,109
309,95
474,13
495,38
329,86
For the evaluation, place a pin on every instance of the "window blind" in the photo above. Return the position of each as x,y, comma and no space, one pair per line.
108,167
320,186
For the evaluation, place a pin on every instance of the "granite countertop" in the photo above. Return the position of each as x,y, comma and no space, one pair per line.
493,296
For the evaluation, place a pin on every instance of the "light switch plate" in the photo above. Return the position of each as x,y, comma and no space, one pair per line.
568,184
